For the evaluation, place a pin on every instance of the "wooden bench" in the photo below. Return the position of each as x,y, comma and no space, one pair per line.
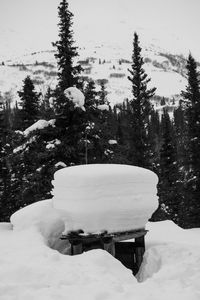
128,252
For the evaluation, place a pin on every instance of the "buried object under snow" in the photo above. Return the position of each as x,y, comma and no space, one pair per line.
105,197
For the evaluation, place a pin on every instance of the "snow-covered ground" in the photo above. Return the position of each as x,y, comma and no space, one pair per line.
30,269
34,264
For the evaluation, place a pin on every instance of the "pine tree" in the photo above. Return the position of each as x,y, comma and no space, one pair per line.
70,126
99,128
90,94
17,122
154,137
32,161
168,185
181,136
123,115
192,185
70,120
163,101
4,167
141,108
29,103
91,133
46,111
102,94
66,51
192,98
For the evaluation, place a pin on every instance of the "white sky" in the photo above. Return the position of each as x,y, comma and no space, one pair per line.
175,23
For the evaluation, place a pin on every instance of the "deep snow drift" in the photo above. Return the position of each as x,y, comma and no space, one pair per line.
105,197
31,270
33,265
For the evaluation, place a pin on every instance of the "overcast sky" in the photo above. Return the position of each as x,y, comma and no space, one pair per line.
111,20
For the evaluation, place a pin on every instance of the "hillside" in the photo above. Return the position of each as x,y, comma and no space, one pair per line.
99,62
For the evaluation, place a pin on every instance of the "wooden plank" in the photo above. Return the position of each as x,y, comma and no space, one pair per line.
130,235
117,237
76,249
124,252
139,252
109,246
139,241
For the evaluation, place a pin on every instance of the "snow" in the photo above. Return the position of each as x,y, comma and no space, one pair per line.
20,148
103,107
166,83
40,124
112,142
25,145
60,164
76,96
35,265
172,258
167,78
45,218
52,144
51,102
30,269
103,197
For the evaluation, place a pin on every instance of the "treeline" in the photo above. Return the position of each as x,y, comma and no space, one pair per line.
45,133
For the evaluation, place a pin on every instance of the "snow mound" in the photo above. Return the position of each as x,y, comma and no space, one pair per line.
76,96
31,270
45,218
97,198
172,261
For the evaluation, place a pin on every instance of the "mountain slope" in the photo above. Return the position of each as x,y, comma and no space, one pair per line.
99,62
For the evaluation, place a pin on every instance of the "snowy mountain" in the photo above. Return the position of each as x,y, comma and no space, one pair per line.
107,62
167,71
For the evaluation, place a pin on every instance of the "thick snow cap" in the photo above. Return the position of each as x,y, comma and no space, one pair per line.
105,197
76,96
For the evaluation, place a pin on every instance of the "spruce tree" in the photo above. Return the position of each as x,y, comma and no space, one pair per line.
181,136
103,94
4,168
32,162
192,184
29,103
66,51
91,103
70,120
90,94
123,132
141,108
168,185
154,137
99,128
46,111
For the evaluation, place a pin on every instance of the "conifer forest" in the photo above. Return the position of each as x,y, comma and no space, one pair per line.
132,133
